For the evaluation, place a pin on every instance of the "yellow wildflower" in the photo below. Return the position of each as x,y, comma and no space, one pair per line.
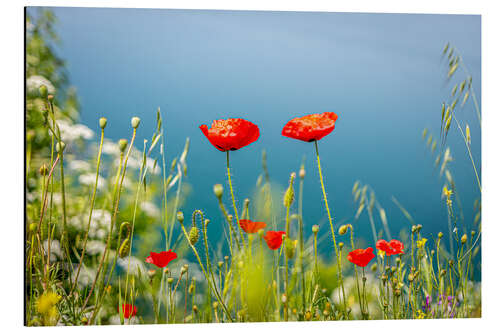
421,243
46,303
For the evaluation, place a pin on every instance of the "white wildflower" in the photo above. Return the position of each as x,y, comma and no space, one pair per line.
79,165
150,209
89,179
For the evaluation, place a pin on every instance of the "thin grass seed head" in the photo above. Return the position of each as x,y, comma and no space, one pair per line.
289,194
454,90
467,134
124,249
424,134
462,86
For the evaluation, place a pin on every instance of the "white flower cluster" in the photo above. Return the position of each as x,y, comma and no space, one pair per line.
99,225
34,82
72,132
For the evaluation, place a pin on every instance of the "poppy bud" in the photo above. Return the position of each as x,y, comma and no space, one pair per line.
432,252
122,144
326,313
183,269
60,146
191,288
472,233
84,321
226,258
397,292
373,268
384,277
180,217
151,273
443,272
50,97
464,239
170,280
166,270
33,227
289,194
124,249
393,269
135,121
315,229
43,91
44,170
283,298
261,232
413,229
419,227
215,305
398,260
302,172
207,221
411,277
220,264
343,230
451,262
194,234
440,235
102,122
341,245
364,279
218,191
195,309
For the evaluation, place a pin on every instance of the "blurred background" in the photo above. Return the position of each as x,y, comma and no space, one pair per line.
383,74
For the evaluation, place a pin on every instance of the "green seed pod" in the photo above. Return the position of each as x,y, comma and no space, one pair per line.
315,229
289,194
180,217
60,146
218,191
124,249
374,268
170,280
464,239
343,229
440,235
44,170
43,91
226,258
194,234
102,122
215,305
135,121
341,245
472,233
260,232
122,144
191,288
220,264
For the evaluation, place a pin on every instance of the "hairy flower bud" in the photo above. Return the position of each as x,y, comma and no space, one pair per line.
170,280
103,122
341,245
464,239
135,121
180,217
122,144
315,229
374,268
44,170
220,264
43,91
440,235
290,246
218,191
124,249
343,229
302,172
194,234
60,146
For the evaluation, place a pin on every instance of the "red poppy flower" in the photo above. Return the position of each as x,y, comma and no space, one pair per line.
397,246
274,239
311,127
128,310
161,259
231,134
361,257
390,248
251,227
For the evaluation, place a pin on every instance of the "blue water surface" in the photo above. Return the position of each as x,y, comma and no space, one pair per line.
383,74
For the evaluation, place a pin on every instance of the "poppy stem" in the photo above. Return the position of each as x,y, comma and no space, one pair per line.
331,226
232,197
